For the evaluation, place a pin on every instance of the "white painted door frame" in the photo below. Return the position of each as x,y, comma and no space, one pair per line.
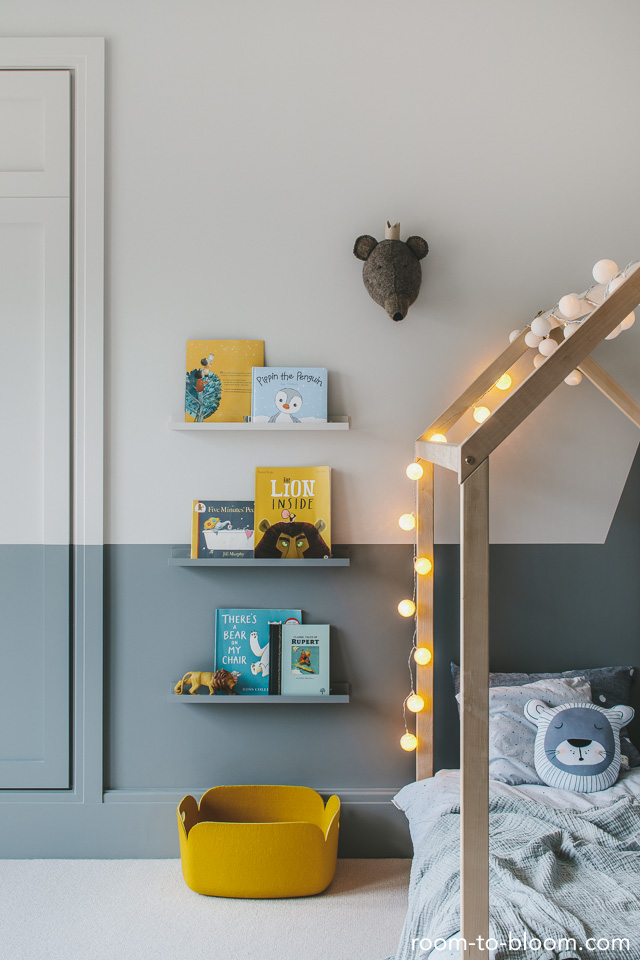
85,58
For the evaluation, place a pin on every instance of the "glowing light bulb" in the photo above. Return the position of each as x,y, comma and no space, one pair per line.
438,438
422,656
406,608
628,321
414,471
422,566
574,378
407,521
408,742
480,414
504,382
603,270
415,703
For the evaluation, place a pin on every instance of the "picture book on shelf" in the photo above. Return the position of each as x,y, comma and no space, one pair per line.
304,667
289,395
221,529
275,653
242,645
293,513
218,380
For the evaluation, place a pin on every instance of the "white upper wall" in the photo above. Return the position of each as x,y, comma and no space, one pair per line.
250,143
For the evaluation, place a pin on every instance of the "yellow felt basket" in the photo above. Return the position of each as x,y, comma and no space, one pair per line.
259,841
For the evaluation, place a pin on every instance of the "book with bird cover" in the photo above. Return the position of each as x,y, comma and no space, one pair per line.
293,513
221,529
304,667
218,379
289,395
242,645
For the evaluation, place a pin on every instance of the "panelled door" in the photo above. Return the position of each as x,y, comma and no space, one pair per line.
35,428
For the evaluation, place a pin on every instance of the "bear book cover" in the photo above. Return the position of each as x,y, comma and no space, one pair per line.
242,645
218,379
289,395
293,513
305,659
221,529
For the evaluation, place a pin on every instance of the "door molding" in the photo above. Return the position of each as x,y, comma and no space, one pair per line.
85,58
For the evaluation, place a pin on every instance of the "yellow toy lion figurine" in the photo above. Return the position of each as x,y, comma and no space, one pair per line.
220,680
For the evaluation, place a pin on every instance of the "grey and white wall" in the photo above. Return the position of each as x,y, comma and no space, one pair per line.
247,146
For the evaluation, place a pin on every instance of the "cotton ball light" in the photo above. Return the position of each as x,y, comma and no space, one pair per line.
503,382
574,378
570,305
615,333
415,703
438,438
540,326
570,329
408,742
603,270
615,284
407,521
547,347
538,360
414,471
422,566
531,339
406,608
628,321
514,335
422,656
480,414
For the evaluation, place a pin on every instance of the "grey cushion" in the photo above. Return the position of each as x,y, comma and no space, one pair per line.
609,686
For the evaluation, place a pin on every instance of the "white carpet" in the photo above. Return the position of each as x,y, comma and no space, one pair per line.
143,910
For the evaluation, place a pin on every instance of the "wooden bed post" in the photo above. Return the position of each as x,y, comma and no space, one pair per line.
474,644
424,623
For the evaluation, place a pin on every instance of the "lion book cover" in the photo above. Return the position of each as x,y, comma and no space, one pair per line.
242,645
304,667
293,513
218,379
221,529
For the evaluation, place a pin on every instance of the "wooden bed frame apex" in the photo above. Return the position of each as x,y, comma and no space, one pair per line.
470,460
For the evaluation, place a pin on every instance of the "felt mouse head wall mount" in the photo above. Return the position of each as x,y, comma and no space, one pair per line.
391,271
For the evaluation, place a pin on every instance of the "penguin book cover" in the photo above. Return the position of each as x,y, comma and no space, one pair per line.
242,645
293,513
218,379
289,395
305,659
221,529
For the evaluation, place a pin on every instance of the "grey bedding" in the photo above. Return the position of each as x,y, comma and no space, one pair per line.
553,874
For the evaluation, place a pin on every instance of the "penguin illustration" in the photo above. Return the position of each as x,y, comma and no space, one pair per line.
288,401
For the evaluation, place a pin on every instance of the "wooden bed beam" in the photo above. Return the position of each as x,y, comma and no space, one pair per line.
542,381
611,389
478,388
474,767
443,454
424,624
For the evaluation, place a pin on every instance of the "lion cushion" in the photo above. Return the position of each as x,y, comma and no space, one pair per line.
577,745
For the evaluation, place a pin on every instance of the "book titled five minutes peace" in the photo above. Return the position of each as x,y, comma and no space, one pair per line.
289,395
305,659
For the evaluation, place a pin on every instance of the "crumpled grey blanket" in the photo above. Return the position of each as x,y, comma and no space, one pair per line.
552,875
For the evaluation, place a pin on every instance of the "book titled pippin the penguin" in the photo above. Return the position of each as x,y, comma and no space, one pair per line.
293,513
289,395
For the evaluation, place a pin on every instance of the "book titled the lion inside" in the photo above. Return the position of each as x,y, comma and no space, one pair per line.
218,380
221,529
304,660
242,645
293,513
289,395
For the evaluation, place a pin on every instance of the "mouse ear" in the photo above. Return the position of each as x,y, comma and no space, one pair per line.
418,246
620,714
364,247
536,711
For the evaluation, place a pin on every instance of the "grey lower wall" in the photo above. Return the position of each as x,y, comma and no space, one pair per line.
552,607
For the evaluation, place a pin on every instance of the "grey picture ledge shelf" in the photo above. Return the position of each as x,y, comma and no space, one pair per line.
335,423
181,557
339,694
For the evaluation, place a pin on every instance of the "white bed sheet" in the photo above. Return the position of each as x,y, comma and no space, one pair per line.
425,800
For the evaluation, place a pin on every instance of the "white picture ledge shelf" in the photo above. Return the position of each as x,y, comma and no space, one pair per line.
339,694
181,557
335,423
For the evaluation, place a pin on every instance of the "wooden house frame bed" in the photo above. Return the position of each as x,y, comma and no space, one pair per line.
470,460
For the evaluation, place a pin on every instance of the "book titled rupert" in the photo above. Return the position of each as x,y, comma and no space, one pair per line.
293,513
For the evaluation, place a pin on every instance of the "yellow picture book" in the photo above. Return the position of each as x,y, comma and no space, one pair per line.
218,382
293,513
